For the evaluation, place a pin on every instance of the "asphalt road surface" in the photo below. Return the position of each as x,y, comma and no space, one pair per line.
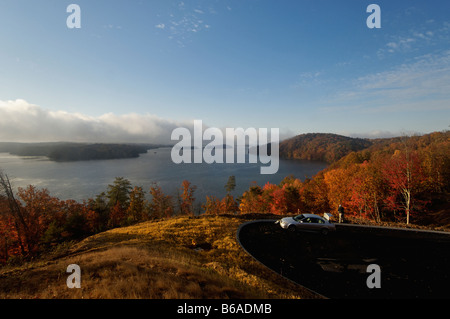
412,264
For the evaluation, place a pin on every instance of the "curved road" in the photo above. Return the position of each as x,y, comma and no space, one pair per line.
413,263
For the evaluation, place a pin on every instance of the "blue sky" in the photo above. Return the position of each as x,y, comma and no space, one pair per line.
137,69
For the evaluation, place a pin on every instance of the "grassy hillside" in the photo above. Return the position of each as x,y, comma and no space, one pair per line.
182,257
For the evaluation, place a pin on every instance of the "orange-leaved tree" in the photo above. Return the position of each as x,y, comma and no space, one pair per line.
404,173
213,206
161,205
187,198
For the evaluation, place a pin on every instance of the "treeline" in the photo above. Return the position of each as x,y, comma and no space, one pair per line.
323,147
95,152
63,152
32,221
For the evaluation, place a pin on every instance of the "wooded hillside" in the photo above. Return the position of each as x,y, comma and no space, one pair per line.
400,179
321,147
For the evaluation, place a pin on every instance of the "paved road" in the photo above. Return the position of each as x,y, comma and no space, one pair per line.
413,264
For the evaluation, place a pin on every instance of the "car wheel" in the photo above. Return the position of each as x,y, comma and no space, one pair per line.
324,231
292,228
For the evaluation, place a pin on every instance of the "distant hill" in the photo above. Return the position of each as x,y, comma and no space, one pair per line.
324,147
64,152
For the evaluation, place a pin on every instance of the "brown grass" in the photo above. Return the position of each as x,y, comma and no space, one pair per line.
189,258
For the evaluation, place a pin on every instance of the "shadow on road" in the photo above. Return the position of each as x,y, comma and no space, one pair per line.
414,264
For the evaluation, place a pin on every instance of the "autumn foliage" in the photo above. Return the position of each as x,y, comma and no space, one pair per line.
321,147
402,179
393,179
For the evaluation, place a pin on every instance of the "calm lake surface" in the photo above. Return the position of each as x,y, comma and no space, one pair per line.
86,179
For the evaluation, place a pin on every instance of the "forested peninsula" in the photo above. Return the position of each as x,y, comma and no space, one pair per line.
67,152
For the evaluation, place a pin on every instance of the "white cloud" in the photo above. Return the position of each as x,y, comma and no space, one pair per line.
421,84
307,80
382,134
419,37
401,44
427,75
185,20
21,121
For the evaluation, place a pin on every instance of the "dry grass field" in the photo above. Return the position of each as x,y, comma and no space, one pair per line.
177,258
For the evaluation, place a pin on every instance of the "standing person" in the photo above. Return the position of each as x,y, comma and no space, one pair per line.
341,214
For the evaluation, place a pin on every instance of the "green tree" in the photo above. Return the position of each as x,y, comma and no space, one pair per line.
229,205
119,193
98,212
231,184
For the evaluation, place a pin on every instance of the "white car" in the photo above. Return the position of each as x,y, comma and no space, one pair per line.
307,222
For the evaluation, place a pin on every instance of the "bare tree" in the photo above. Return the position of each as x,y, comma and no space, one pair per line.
15,210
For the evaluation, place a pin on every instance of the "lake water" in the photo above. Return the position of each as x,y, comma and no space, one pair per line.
86,179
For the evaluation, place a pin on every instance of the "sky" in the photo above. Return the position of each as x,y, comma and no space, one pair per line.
137,69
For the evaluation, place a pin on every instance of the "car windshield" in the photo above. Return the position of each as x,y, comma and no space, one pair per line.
299,218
